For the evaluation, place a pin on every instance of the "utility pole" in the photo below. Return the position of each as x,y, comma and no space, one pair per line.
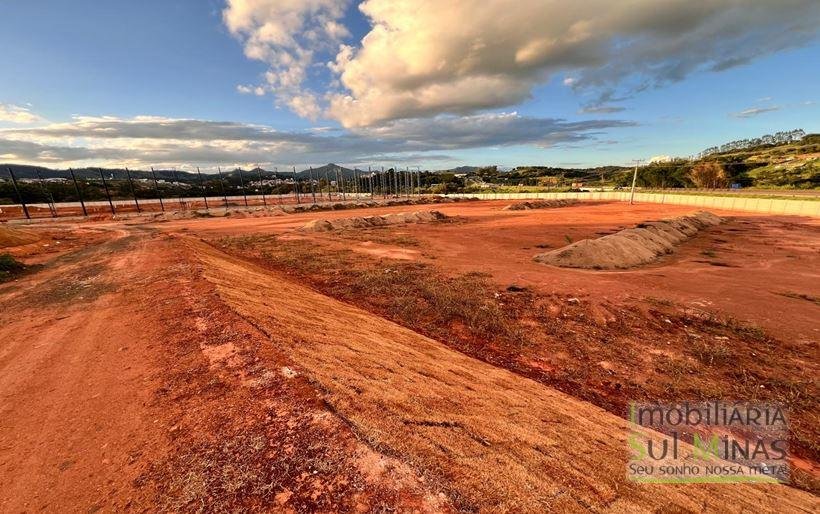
634,179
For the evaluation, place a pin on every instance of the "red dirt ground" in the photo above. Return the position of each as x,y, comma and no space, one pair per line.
141,370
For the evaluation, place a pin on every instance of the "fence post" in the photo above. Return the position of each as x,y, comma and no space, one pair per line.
133,191
312,189
156,190
296,186
107,194
202,186
16,190
261,186
222,186
79,194
242,186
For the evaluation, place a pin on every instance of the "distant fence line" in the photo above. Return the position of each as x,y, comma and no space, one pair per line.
305,190
729,203
775,206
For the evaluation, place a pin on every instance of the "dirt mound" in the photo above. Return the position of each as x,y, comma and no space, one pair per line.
541,204
630,247
10,236
373,221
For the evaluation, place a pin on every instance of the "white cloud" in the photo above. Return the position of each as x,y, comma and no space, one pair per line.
755,111
251,90
424,57
286,35
427,57
305,105
16,114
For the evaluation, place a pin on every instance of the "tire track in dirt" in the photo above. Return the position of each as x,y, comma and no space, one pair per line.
502,442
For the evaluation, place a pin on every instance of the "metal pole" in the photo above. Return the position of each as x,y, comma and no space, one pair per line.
296,186
107,194
327,182
133,191
242,185
312,189
179,194
276,175
261,186
634,179
202,186
344,184
156,189
336,171
370,180
222,186
16,190
49,196
79,194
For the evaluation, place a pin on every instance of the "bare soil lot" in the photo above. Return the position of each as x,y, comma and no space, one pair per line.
240,363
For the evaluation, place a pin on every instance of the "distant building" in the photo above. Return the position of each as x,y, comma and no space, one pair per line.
769,139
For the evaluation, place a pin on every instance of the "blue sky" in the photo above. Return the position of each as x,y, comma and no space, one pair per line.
67,64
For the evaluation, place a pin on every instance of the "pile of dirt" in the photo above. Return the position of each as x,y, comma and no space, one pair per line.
630,247
10,236
541,204
373,221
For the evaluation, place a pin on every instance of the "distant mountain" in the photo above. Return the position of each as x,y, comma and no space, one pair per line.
328,169
463,169
23,171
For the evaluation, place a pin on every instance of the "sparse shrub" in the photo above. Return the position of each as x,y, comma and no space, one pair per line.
711,353
709,175
9,266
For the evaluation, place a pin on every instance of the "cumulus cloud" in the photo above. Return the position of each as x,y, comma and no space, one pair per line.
286,35
754,111
148,140
427,57
11,113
